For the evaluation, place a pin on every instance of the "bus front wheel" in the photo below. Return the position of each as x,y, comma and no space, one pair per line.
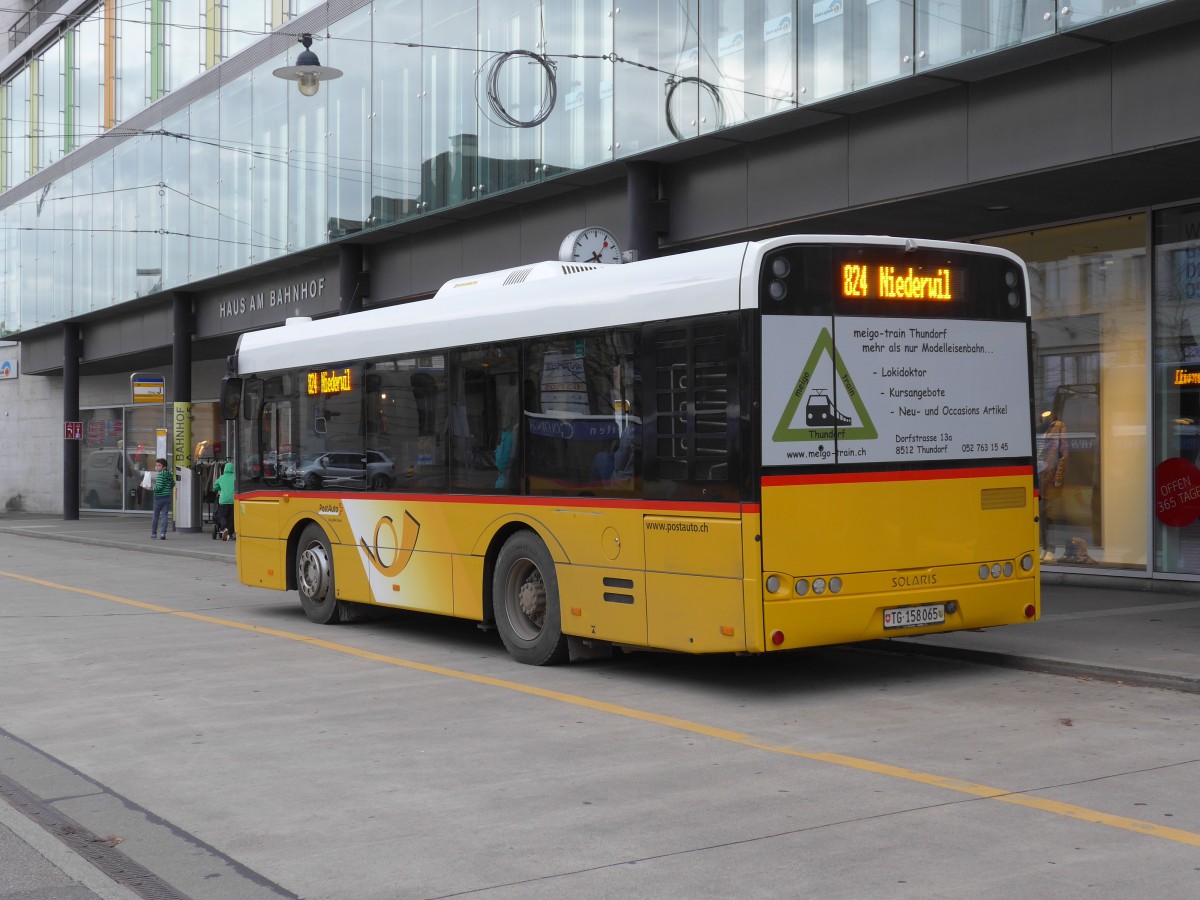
525,601
314,576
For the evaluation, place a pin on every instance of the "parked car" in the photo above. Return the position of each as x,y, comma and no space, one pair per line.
340,469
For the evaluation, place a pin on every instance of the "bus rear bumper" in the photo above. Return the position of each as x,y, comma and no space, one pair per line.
842,619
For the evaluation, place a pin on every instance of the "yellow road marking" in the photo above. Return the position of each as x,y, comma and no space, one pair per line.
1029,801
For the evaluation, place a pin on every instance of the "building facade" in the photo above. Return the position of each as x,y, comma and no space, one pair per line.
164,191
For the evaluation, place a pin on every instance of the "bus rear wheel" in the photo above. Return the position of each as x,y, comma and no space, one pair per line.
314,577
525,602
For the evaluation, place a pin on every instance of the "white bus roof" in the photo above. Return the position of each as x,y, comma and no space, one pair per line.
559,298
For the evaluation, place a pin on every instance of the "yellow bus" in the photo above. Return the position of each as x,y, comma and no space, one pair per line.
801,441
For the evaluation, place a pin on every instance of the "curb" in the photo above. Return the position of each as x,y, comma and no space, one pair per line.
1047,665
144,547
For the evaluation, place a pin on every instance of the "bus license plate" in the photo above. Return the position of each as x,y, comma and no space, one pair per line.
914,616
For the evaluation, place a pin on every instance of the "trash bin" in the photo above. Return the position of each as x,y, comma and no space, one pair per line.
187,499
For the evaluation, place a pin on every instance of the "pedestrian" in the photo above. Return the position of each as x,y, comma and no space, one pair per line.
224,485
164,483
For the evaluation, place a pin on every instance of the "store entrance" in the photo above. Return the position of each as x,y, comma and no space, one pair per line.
120,444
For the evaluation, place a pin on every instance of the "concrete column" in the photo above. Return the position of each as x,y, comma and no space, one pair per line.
72,348
641,195
181,346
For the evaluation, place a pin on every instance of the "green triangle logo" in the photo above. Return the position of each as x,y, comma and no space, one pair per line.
822,421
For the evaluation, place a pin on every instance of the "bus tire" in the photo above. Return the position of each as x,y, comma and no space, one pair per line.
525,602
314,577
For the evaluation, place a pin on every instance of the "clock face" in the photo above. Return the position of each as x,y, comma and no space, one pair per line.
590,245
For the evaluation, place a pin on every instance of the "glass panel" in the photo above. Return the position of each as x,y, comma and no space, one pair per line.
308,212
185,42
103,245
236,157
1081,12
149,222
55,259
406,423
396,113
18,128
485,407
204,214
579,131
176,153
950,30
658,91
824,27
9,312
514,93
133,45
51,126
884,49
84,237
1177,390
583,421
1089,313
349,123
102,460
140,442
269,173
125,219
747,61
450,115
91,74
30,285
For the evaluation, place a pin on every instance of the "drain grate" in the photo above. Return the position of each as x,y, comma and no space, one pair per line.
99,851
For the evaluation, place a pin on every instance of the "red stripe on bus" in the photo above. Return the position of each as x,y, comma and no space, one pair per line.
649,506
921,475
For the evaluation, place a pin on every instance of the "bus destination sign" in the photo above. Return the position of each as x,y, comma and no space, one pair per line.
326,383
869,281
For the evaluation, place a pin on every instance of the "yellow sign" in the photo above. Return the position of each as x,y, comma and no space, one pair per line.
874,282
335,381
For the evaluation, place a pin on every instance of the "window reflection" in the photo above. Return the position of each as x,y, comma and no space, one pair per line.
1089,388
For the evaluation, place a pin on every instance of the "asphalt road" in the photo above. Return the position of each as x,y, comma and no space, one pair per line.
210,740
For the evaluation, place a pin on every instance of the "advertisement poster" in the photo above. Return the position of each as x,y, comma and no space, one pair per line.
883,390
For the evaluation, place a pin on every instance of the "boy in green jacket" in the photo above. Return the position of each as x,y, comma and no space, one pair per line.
164,484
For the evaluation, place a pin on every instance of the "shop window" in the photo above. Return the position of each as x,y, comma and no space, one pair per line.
1177,390
1089,313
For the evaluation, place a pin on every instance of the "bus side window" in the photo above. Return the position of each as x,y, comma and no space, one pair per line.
692,429
485,422
583,414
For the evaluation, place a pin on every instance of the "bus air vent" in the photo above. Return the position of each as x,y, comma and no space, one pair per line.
1002,498
518,275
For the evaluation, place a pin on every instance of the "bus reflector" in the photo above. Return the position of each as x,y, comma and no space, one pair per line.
1030,612
577,610
776,638
727,630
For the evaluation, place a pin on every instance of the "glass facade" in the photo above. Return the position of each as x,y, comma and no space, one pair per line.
442,102
1176,374
1089,284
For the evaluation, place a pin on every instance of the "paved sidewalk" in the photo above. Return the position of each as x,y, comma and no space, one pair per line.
1130,630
